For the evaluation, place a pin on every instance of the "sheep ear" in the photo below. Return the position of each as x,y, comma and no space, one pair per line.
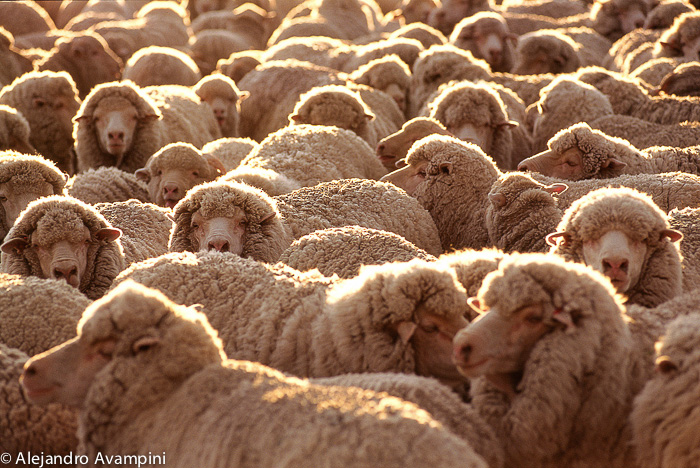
243,95
445,168
295,117
475,304
672,234
108,234
143,174
406,331
148,117
497,199
106,348
671,44
665,365
509,124
564,317
551,238
369,116
16,245
613,163
556,188
144,344
216,163
267,217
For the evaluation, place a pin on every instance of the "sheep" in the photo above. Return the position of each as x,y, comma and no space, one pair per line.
238,64
62,238
38,314
407,49
388,74
469,173
338,106
379,299
686,221
416,11
664,415
88,59
581,152
271,182
682,81
174,170
211,45
252,23
230,151
449,13
48,100
442,404
394,148
305,26
121,125
560,366
654,71
155,65
663,15
224,98
682,39
160,23
486,35
145,228
15,64
546,51
476,113
14,131
346,17
115,327
643,134
624,235
21,18
106,184
27,428
23,179
452,180
234,217
421,32
274,89
521,213
471,266
342,251
310,154
318,50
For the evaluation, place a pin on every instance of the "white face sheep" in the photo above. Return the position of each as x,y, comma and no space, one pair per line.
224,98
559,363
115,121
624,235
137,349
486,35
62,238
175,169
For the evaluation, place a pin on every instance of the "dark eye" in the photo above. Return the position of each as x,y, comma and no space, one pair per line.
195,225
195,173
431,328
159,173
3,199
534,319
571,163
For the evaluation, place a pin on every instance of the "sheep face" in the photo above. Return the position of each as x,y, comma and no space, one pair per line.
616,256
683,81
409,177
451,12
432,342
497,344
94,61
488,39
14,197
222,233
64,374
394,147
115,121
566,165
417,11
227,113
167,185
66,257
613,20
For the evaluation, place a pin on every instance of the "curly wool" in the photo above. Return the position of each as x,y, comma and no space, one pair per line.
183,156
51,219
635,214
664,419
230,151
576,391
155,65
106,184
343,251
382,72
471,267
270,182
266,233
25,427
38,314
479,105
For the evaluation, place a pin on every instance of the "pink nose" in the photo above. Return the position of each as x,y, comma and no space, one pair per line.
219,113
461,352
221,245
116,136
67,273
615,264
170,188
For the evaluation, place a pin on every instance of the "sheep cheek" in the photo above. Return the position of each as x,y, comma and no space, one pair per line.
617,257
169,187
481,136
407,178
432,343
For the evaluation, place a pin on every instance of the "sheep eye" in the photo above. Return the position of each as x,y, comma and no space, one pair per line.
195,225
159,173
430,328
571,163
195,173
3,199
534,319
58,105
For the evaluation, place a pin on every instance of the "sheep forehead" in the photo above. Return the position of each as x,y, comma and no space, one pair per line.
113,103
24,171
225,200
178,157
56,226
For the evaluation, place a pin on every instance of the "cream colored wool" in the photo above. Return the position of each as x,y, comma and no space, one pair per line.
105,185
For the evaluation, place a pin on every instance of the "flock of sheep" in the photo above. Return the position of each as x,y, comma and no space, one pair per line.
350,233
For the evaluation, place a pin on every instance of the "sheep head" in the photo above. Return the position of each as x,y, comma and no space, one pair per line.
393,148
133,331
486,35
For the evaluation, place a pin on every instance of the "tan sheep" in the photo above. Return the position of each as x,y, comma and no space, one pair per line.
682,39
106,184
211,45
155,65
48,100
547,51
230,151
389,74
682,81
88,59
24,18
252,23
426,35
15,64
224,98
394,148
271,182
486,35
122,125
14,131
238,64
174,170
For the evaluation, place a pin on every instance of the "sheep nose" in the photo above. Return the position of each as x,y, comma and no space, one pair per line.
220,244
116,136
67,273
380,147
219,113
170,188
30,370
620,264
639,23
461,353
495,56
